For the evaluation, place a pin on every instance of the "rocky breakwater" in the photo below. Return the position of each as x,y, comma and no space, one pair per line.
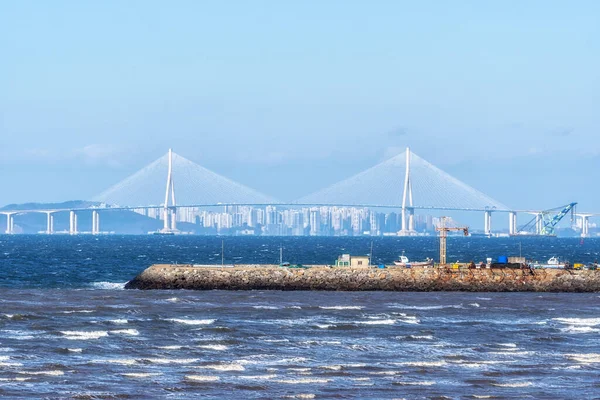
272,277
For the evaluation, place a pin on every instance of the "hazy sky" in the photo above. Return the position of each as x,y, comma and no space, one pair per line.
291,96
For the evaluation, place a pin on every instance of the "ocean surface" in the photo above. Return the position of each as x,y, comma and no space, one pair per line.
69,330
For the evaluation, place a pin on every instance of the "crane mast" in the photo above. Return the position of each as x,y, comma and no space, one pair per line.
443,229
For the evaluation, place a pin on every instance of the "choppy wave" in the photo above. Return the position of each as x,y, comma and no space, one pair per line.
84,335
224,367
201,378
141,374
131,332
192,321
585,358
513,384
216,347
579,321
108,285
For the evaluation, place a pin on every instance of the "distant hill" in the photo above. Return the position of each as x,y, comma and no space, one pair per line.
46,206
120,222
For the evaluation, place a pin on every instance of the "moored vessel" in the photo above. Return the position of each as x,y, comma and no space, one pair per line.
405,262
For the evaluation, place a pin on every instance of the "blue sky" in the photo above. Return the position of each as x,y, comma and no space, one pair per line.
288,97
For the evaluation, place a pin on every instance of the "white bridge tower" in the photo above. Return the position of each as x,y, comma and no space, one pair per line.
407,197
170,212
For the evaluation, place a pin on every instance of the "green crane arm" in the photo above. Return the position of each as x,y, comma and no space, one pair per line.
548,228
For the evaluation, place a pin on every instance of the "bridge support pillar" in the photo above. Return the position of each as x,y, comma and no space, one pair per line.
538,224
72,223
512,223
585,226
95,222
49,223
10,224
487,223
166,219
174,219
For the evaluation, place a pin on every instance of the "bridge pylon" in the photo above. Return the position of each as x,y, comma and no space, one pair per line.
170,211
408,212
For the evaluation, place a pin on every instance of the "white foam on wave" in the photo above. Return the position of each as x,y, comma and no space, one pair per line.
223,367
119,321
422,363
341,307
512,352
301,396
172,347
172,299
513,384
579,329
192,321
55,372
77,311
578,321
266,359
84,335
377,322
216,347
420,383
410,319
108,285
75,350
131,332
303,380
584,358
201,378
425,308
17,334
332,367
118,361
385,373
321,342
418,337
476,305
510,345
265,307
10,364
140,374
299,369
258,377
354,365
171,360
15,379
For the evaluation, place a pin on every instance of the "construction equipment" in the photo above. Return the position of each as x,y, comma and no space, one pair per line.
444,236
544,223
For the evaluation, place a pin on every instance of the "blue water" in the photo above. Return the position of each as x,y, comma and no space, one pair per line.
68,330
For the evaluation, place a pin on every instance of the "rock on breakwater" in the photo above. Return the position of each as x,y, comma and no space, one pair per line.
273,277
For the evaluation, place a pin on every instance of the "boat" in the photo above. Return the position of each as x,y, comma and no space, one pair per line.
405,262
552,262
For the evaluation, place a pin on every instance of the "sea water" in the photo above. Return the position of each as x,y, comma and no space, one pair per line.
68,330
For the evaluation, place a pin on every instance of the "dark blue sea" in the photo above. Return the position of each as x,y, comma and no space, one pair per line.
69,330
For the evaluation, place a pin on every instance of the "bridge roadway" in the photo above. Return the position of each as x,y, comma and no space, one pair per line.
96,216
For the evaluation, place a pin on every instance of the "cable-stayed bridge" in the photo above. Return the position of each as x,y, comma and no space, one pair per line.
406,182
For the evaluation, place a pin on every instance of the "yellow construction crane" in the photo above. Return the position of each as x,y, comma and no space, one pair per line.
444,236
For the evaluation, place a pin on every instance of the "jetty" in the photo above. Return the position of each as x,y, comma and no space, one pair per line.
363,278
